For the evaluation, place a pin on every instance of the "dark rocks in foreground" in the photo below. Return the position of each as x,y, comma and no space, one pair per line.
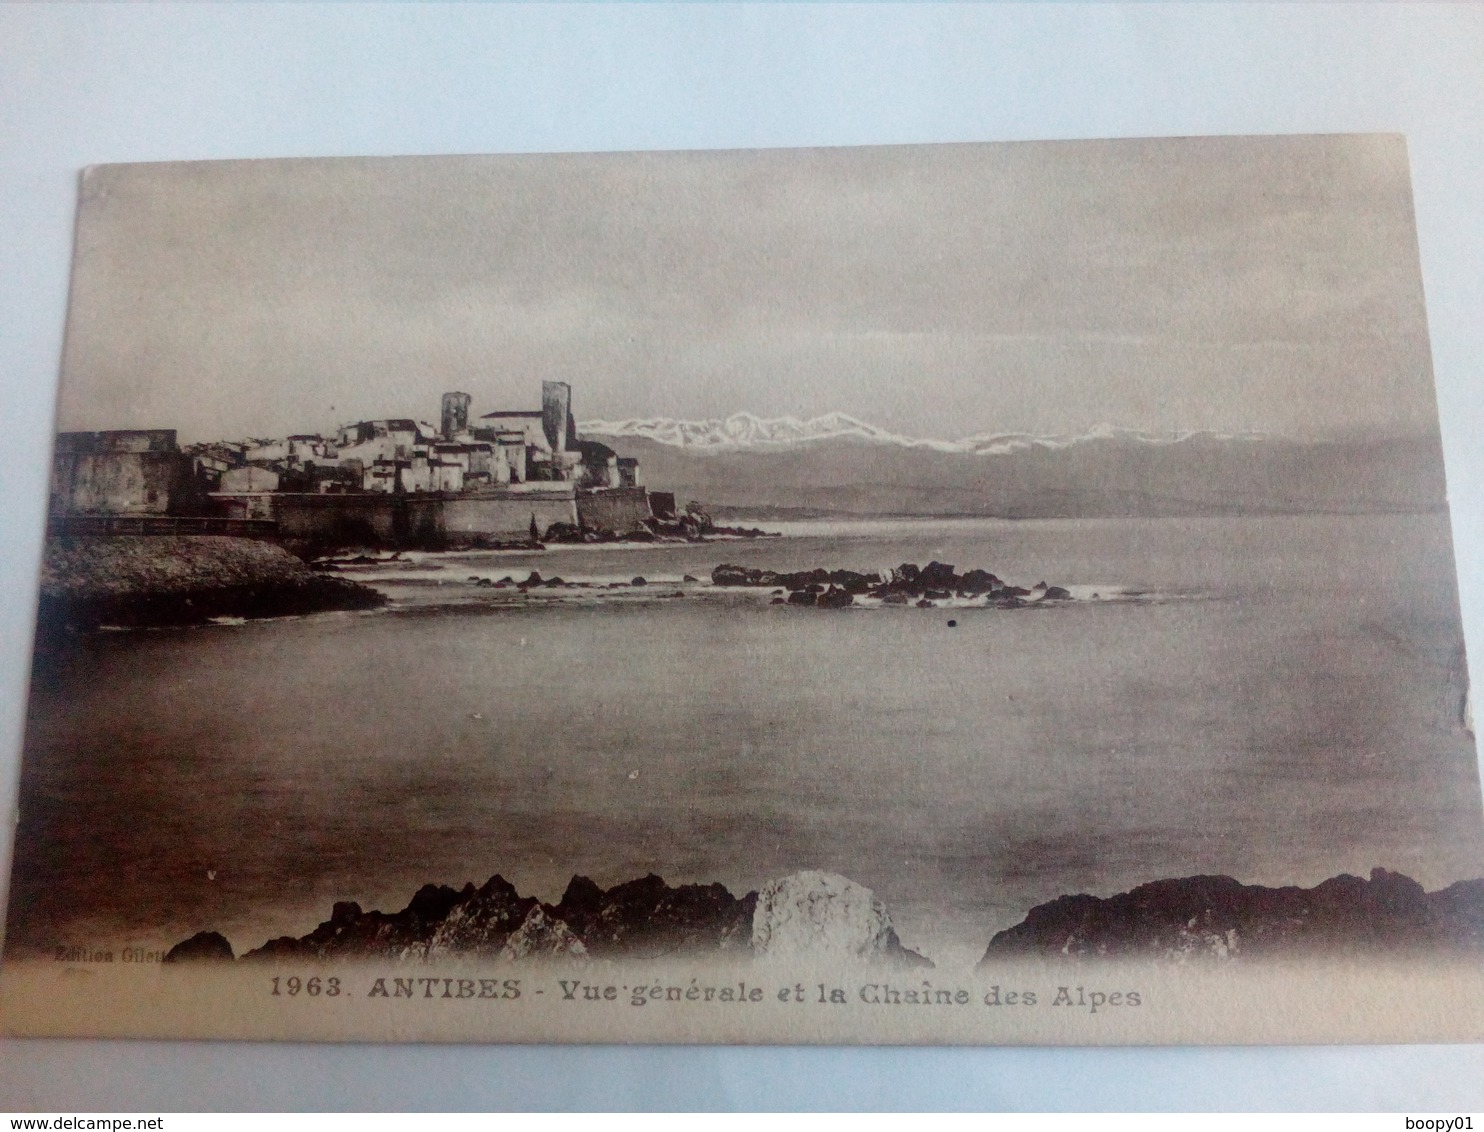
640,919
812,915
1215,918
201,946
149,580
908,583
351,932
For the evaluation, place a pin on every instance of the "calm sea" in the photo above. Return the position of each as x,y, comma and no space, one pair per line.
1278,699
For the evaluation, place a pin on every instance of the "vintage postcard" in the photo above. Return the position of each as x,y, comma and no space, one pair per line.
964,593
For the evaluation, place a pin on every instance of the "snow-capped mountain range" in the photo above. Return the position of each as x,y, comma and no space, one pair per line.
742,431
838,464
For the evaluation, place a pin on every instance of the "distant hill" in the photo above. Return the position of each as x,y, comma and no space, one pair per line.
837,465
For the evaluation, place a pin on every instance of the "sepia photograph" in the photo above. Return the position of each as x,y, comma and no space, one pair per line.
966,593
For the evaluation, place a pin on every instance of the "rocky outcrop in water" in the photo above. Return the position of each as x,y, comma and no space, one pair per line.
907,584
1217,919
820,917
543,936
139,580
807,915
647,919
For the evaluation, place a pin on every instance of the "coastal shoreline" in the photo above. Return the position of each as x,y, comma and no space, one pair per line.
148,581
819,916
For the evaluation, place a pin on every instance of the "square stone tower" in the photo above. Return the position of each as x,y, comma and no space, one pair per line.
556,416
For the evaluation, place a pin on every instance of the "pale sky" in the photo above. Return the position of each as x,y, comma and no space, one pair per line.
1269,284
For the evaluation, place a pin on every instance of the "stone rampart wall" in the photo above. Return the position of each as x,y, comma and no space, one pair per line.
614,509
